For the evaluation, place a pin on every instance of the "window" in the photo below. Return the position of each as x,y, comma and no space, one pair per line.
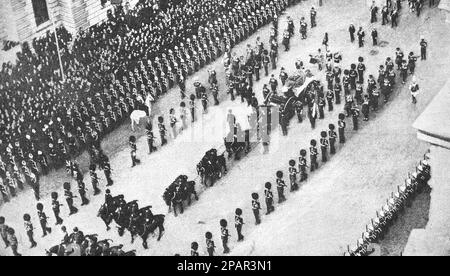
40,11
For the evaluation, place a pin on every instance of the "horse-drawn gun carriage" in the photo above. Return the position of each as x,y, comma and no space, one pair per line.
299,89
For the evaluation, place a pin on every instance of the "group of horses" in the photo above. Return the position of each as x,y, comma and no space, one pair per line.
212,167
178,192
89,245
128,216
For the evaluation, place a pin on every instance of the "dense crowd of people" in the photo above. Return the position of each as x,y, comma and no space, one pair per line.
109,70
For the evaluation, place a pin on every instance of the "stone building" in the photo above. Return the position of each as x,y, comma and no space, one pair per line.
21,20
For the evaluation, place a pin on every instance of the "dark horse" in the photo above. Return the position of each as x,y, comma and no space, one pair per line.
212,167
178,192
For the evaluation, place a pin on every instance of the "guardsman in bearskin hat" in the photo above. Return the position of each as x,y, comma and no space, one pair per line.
192,106
280,187
69,198
313,152
324,143
56,208
256,206
162,130
303,28
238,223
286,40
94,179
150,138
269,198
29,229
194,249
224,235
332,135
341,128
43,219
355,115
302,164
210,247
266,62
134,160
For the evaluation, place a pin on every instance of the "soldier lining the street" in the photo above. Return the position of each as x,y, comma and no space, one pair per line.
332,138
238,223
194,249
29,229
210,247
341,128
43,219
324,143
256,206
69,199
56,208
313,152
269,198
162,130
224,235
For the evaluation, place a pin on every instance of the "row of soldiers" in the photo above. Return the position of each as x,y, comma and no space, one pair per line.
78,126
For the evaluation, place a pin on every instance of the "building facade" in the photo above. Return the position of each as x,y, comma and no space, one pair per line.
22,20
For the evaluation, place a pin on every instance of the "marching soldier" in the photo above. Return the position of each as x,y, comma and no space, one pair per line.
43,219
94,179
69,199
215,93
209,244
273,83
286,40
239,222
355,115
361,34
332,136
321,105
313,14
291,27
134,160
330,99
56,208
29,229
303,28
341,128
266,62
359,92
205,101
313,155
107,170
423,46
256,206
273,57
150,138
353,74
283,76
192,106
361,69
162,130
269,198
324,143
374,35
12,241
365,108
224,235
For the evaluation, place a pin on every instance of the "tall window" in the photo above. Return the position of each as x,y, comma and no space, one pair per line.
40,11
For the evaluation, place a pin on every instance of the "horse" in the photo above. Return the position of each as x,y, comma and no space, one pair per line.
145,229
136,116
175,197
211,167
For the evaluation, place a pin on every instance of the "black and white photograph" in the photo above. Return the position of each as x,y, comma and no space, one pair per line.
225,128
